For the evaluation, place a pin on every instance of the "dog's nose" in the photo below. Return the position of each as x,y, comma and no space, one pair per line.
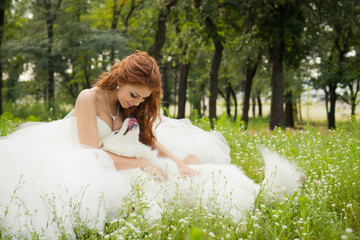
131,122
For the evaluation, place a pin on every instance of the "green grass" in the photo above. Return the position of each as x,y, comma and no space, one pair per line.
8,123
326,208
35,111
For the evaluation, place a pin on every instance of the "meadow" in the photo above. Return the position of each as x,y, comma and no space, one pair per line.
326,207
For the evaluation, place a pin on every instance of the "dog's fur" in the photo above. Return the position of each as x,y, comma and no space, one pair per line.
223,188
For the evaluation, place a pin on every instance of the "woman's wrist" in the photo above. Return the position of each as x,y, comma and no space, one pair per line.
142,163
121,162
178,161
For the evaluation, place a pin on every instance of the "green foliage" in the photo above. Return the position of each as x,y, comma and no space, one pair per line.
35,111
84,39
8,123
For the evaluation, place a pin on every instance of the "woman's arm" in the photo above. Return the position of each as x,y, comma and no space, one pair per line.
182,167
121,162
85,111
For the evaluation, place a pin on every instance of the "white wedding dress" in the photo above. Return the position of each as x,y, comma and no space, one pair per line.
49,183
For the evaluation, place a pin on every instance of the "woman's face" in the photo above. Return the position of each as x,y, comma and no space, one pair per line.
132,95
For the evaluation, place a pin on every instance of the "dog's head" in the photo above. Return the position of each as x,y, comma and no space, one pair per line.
125,141
130,128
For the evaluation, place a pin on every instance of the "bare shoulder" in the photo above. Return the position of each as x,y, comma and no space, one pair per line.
86,95
86,100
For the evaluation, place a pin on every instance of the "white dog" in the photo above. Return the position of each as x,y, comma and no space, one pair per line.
223,188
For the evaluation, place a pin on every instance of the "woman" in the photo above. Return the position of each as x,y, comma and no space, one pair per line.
54,177
133,87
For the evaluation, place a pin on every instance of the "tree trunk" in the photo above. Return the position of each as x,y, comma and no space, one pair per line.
289,111
250,74
175,97
113,27
228,99
184,71
50,16
132,9
331,114
165,88
233,94
197,107
353,96
197,103
155,49
259,105
214,74
2,22
253,106
13,79
215,63
51,81
277,85
299,109
326,101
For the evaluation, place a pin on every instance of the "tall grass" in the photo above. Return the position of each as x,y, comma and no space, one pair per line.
327,207
8,123
36,111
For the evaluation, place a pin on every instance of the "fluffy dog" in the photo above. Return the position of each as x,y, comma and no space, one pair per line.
219,187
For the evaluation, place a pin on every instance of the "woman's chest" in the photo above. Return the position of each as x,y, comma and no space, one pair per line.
113,124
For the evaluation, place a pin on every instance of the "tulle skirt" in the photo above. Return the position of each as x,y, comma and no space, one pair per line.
49,183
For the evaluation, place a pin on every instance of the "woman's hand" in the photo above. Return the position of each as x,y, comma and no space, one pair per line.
183,168
186,170
152,170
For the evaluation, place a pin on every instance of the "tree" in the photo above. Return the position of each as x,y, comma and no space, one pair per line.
184,72
261,86
212,33
352,86
279,25
160,34
123,10
160,37
184,45
251,67
3,6
184,67
337,23
295,78
49,9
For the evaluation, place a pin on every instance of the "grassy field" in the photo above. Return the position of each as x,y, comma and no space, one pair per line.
326,208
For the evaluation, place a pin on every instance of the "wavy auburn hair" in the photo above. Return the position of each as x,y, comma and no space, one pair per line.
138,69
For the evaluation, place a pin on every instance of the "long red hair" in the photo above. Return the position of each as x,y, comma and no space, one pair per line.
137,69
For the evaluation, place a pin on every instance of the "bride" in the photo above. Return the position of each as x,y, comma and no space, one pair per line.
46,166
57,175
